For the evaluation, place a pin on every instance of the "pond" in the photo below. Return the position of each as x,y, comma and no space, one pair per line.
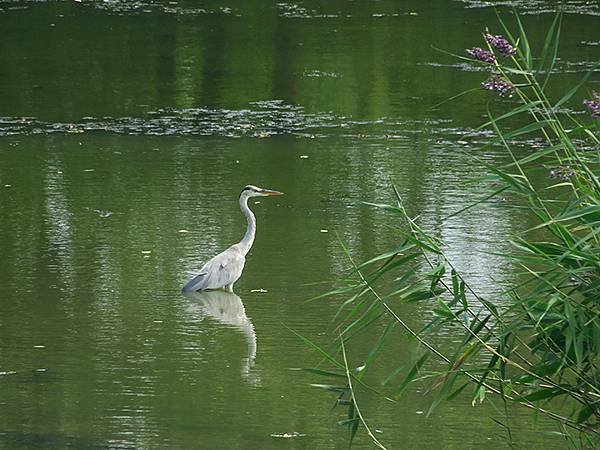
128,129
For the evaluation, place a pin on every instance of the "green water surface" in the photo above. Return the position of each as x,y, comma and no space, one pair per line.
127,130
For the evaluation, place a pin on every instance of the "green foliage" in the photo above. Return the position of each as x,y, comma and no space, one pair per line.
545,346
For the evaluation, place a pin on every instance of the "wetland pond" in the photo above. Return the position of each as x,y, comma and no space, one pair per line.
127,130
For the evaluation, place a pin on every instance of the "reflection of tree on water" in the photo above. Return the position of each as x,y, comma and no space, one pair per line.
227,308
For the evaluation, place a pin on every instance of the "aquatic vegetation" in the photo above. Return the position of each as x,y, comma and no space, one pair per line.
564,173
481,55
499,85
500,44
261,119
540,352
593,105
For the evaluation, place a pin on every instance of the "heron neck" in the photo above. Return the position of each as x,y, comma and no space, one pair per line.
248,239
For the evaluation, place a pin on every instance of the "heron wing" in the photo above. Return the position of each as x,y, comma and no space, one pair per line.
220,271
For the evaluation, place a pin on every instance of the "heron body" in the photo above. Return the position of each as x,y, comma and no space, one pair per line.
226,268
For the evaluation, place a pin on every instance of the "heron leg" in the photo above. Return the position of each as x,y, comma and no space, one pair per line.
229,287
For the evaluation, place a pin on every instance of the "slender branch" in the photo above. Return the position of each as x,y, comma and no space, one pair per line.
355,402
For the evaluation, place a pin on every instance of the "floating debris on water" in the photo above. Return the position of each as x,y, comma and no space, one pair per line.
273,117
136,7
525,7
561,66
464,66
287,435
319,74
103,214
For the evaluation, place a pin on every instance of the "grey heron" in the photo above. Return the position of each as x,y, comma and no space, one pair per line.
226,268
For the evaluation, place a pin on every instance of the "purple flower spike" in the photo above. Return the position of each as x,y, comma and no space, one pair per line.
593,104
481,55
500,85
500,43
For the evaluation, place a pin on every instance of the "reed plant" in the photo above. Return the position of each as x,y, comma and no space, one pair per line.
538,346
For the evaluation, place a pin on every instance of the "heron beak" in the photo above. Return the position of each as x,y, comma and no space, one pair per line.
270,192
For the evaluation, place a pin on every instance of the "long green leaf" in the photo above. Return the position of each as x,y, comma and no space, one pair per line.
572,91
554,57
524,41
518,110
327,373
534,126
549,42
411,375
377,347
444,391
542,394
589,213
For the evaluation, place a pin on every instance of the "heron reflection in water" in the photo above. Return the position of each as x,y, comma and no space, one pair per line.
227,308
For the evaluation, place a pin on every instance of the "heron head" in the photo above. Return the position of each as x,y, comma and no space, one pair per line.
254,191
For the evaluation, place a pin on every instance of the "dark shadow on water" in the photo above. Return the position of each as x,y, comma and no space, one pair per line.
227,308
